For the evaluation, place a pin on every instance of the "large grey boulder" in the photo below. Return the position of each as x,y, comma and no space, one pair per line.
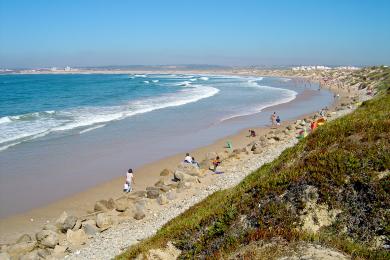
65,222
47,238
122,203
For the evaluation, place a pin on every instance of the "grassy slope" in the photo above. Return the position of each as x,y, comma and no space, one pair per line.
342,160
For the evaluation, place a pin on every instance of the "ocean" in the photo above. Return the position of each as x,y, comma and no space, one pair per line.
90,127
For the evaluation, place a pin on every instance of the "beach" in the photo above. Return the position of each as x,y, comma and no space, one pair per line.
82,203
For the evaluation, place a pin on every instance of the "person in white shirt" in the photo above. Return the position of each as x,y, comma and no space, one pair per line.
130,180
188,158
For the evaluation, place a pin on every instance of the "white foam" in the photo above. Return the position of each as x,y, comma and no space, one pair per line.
140,75
30,126
155,81
5,119
184,83
91,128
286,96
146,81
204,78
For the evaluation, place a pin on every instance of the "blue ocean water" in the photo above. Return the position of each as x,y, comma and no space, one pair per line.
33,107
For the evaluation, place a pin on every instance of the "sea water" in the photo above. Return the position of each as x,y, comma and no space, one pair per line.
59,128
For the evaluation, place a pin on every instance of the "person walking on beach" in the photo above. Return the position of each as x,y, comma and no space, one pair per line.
129,180
273,119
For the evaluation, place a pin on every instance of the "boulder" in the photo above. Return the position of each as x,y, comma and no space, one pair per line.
104,205
105,220
61,220
181,176
122,204
59,250
33,255
171,195
90,230
24,238
76,238
162,181
152,194
189,168
21,248
162,199
139,214
50,227
69,223
166,172
77,226
47,238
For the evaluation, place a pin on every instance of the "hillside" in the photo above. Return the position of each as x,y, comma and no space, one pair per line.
331,189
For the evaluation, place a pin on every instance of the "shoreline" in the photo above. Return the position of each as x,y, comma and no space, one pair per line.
77,204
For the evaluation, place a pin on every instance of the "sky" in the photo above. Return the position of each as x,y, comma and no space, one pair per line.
222,32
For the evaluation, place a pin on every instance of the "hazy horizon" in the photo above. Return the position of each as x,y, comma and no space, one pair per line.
100,33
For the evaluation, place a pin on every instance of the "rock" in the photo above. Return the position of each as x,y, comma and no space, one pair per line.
185,177
4,256
43,252
166,172
24,238
122,204
184,185
189,168
139,214
105,220
90,230
76,238
21,248
289,127
162,199
257,152
171,195
59,250
61,220
77,226
164,188
47,238
104,205
69,223
152,194
33,255
50,227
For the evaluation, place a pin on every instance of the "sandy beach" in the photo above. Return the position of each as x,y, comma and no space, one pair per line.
78,204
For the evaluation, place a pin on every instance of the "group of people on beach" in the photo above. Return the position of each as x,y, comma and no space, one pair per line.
275,120
189,159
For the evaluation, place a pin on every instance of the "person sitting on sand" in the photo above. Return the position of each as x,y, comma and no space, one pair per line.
252,133
278,121
194,162
130,180
216,163
188,158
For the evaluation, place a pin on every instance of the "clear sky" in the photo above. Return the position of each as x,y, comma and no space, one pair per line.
37,33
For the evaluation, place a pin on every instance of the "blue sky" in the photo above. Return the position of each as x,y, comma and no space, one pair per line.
274,32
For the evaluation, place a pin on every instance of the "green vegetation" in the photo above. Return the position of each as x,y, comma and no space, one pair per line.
345,163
